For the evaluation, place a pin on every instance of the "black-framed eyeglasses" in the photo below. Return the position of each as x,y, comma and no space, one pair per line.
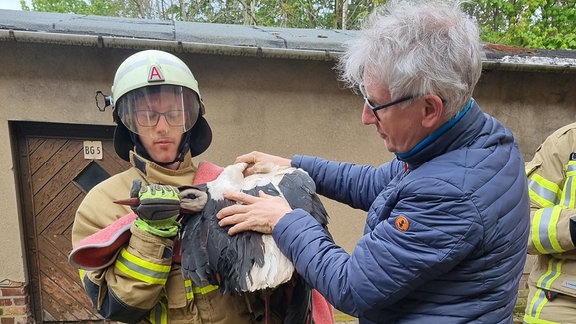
150,118
376,108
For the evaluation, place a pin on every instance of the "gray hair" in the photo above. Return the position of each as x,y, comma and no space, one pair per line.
417,48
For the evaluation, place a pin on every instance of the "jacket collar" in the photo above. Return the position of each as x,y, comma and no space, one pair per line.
155,173
456,133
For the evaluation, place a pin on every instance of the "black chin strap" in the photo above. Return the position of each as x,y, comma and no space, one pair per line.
182,149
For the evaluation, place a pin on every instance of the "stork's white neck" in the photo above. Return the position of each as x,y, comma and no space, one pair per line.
232,178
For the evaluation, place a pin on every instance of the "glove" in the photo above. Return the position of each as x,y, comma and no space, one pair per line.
158,209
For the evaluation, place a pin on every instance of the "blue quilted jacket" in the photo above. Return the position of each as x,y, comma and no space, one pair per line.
446,231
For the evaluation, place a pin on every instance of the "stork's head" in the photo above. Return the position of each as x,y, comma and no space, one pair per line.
158,109
193,199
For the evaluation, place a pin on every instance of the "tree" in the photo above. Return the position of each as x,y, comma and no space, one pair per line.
547,24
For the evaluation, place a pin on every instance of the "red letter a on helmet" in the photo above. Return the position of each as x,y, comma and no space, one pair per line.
155,74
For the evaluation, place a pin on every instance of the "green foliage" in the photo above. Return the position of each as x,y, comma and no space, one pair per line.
549,24
62,6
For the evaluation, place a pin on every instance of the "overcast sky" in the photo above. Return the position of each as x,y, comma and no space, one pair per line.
12,4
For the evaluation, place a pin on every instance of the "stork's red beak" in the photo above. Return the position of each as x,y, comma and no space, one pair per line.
129,202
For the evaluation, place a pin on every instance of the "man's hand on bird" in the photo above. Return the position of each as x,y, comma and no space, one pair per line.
256,160
252,213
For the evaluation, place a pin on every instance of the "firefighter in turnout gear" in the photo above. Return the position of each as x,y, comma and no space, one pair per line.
160,127
552,187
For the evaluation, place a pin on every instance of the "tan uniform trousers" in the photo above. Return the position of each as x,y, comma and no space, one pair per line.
561,309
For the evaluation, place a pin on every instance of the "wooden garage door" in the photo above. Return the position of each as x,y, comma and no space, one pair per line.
56,170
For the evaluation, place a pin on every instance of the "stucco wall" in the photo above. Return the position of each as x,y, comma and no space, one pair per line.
279,106
531,104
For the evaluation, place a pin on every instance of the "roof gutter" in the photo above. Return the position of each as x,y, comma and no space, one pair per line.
524,67
100,41
173,46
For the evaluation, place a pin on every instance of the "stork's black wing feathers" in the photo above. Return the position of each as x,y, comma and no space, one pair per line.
299,309
239,263
255,241
211,256
216,240
197,263
194,236
300,192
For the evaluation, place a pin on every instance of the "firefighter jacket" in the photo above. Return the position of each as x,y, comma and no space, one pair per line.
143,284
445,235
552,188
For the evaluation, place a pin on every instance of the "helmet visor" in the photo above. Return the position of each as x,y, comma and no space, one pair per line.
143,108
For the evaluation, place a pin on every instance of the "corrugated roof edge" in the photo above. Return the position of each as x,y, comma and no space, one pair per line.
237,40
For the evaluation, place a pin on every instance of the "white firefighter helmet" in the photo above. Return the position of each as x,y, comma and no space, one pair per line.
152,71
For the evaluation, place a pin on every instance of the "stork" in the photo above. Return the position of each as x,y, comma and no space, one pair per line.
248,261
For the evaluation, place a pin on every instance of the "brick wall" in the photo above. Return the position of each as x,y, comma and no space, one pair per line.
521,301
14,303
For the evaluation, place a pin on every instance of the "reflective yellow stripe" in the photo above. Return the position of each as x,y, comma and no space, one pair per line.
571,168
188,287
545,192
532,320
569,190
82,273
539,300
159,314
191,290
568,193
553,272
543,230
142,270
538,303
204,290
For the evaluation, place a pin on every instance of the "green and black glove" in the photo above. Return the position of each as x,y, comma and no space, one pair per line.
158,209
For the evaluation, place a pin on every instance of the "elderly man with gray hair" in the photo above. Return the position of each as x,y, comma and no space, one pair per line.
448,218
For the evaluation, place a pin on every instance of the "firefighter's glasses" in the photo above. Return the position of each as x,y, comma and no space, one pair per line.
150,118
